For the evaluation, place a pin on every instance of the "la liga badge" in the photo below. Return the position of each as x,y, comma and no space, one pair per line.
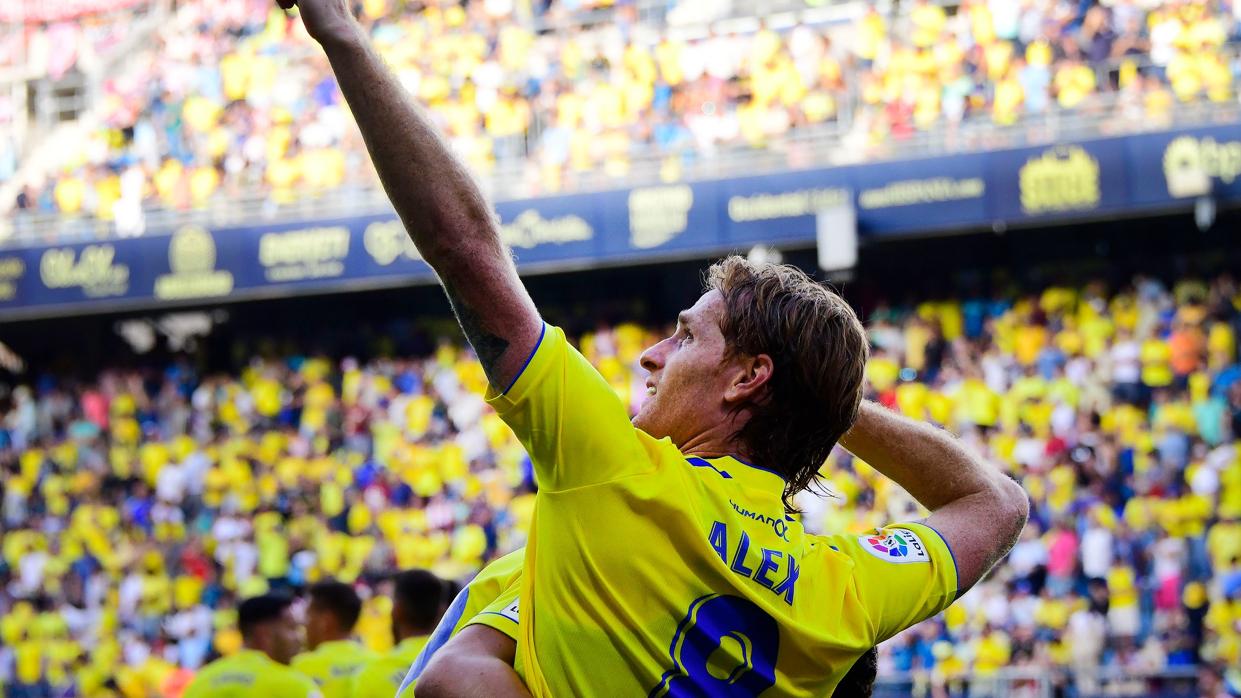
898,545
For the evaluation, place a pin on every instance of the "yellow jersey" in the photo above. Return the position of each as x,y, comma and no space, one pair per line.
503,573
332,665
502,615
250,673
380,678
651,572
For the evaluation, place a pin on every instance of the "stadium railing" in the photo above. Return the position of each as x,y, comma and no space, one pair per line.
1171,682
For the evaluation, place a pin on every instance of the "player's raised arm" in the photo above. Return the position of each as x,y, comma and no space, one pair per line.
443,209
977,509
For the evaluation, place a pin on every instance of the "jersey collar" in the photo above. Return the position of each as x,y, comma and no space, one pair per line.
336,647
258,654
748,474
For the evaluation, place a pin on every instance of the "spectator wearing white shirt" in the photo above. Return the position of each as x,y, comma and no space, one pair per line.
1096,550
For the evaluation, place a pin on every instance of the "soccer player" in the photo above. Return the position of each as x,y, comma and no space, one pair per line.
270,637
334,656
495,643
501,575
660,559
417,604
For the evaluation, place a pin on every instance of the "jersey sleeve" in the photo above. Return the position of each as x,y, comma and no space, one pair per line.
571,422
502,614
903,574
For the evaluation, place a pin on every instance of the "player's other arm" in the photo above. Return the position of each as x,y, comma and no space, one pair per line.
478,661
977,509
442,207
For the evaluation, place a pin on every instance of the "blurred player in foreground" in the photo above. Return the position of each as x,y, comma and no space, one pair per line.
502,575
497,586
333,656
270,638
661,560
417,604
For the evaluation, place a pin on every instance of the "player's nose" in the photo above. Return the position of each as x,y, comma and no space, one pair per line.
653,358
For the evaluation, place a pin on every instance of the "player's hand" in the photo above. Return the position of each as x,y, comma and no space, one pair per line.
327,21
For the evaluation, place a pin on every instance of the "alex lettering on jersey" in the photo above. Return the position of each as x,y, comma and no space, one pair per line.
772,569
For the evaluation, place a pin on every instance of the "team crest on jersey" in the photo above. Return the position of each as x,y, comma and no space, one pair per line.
898,545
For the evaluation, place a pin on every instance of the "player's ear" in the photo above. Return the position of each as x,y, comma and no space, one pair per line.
751,378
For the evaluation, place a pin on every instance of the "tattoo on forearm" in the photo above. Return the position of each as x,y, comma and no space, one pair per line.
487,346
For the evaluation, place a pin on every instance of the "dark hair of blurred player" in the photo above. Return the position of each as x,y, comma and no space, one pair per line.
267,624
333,611
452,587
417,603
860,681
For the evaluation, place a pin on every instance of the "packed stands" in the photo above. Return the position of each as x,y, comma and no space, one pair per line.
232,99
43,48
138,506
49,40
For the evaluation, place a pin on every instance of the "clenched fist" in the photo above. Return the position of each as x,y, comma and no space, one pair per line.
327,21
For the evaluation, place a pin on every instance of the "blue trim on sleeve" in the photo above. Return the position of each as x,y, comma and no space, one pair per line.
439,638
956,571
530,358
494,613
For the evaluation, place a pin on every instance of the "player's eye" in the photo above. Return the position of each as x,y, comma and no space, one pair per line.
688,335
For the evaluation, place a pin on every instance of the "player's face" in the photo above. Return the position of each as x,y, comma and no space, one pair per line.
398,612
286,637
688,376
316,621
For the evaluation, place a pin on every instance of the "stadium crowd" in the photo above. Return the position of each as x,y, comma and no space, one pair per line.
138,508
218,104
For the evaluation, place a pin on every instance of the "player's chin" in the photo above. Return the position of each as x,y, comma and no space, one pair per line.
644,419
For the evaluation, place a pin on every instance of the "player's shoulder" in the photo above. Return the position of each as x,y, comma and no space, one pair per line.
501,571
265,676
283,680
358,652
374,667
305,661
234,663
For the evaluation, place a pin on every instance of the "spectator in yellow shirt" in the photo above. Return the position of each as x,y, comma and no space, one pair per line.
1074,81
1156,363
929,20
1009,96
70,193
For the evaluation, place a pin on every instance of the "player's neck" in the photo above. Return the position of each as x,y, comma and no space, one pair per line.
329,640
716,442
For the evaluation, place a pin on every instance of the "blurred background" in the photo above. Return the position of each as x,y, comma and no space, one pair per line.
223,368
